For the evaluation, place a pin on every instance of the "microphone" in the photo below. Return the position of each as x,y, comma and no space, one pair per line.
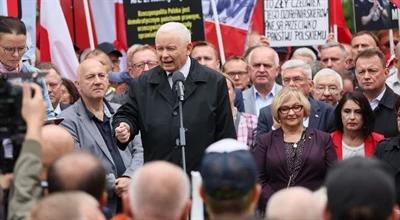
177,81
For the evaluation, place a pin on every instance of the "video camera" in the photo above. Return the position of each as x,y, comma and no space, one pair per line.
12,125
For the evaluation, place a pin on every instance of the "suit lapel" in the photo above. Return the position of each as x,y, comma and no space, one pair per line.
92,129
280,151
192,81
315,114
308,139
160,81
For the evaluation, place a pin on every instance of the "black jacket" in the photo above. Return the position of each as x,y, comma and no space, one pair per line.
152,108
386,115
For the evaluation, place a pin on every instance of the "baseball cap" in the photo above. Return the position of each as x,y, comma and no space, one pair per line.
360,183
109,48
228,170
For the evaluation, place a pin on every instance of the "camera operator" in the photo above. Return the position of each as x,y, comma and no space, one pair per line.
26,187
12,48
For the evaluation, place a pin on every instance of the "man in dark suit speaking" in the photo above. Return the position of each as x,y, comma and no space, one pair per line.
152,106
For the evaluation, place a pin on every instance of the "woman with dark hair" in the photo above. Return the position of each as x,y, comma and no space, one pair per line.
354,122
69,93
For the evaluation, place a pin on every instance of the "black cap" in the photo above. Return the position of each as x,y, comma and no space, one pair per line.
109,48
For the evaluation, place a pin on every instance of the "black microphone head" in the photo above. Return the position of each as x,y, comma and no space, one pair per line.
177,76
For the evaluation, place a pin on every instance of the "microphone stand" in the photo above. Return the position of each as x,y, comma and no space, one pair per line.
181,140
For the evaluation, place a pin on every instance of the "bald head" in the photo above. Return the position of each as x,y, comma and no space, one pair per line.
90,177
92,80
159,190
296,203
56,142
71,205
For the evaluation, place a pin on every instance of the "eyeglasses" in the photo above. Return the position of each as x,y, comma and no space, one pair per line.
285,109
236,73
322,89
11,50
141,65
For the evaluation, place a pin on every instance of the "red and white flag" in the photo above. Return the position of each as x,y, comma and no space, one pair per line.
53,31
235,20
336,17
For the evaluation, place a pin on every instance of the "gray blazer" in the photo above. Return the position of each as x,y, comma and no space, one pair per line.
87,137
249,99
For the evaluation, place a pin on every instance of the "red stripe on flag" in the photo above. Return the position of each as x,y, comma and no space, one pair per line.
45,54
235,38
120,27
257,23
396,3
12,7
336,17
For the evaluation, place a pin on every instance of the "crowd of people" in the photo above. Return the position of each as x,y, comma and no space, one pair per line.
278,133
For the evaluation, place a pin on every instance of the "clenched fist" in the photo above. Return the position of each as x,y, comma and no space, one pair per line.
122,132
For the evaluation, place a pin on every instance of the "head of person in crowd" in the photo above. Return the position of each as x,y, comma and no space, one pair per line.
57,143
119,81
53,82
64,175
237,69
349,58
159,195
305,54
360,188
328,86
264,68
290,107
206,54
102,57
12,42
384,40
349,81
140,59
297,74
371,72
67,206
92,80
112,53
294,203
354,114
333,55
229,174
173,45
361,41
69,92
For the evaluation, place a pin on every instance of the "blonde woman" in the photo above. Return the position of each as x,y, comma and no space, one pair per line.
292,155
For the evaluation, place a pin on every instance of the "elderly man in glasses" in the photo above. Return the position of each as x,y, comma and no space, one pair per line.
328,86
12,48
140,59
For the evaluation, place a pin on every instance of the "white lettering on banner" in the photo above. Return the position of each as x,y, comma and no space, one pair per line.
296,22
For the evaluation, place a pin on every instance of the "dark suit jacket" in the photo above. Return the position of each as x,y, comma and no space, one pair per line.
386,115
270,156
322,117
152,109
388,151
239,100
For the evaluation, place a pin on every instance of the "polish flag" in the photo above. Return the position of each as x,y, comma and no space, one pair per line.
235,19
336,17
53,31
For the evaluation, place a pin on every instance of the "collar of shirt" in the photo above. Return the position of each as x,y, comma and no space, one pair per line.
3,68
107,110
57,109
375,102
184,69
272,93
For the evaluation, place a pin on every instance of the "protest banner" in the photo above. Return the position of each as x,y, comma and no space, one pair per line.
296,22
144,17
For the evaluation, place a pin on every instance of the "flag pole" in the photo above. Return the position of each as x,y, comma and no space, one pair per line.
391,40
88,24
218,30
335,33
